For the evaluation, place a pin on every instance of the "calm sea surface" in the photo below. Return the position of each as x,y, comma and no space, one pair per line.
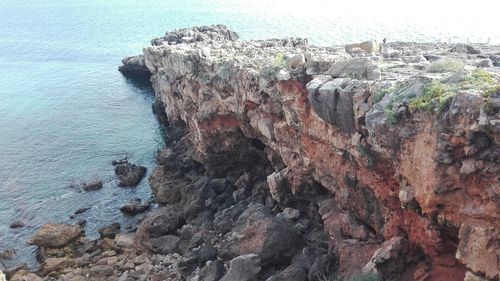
66,112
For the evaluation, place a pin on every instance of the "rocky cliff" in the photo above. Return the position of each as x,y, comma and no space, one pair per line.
404,141
293,162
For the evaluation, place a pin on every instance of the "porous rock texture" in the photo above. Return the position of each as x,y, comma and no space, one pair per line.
292,162
428,178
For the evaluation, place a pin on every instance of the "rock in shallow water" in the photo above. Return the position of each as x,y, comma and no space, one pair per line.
110,231
129,175
56,235
134,207
17,224
93,185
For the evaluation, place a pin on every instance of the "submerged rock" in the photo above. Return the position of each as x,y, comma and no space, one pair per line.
93,185
17,224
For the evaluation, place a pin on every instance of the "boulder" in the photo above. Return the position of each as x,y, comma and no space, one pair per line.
134,207
333,102
206,253
367,46
213,271
100,272
243,268
163,222
278,186
291,273
56,264
474,249
465,49
164,245
129,175
55,235
25,276
359,68
92,186
110,231
389,259
258,231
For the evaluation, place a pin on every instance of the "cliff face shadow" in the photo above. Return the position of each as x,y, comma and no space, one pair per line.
140,82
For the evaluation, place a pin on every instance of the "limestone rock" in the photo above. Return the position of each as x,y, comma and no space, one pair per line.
390,258
474,249
135,67
258,231
163,222
243,268
55,235
356,68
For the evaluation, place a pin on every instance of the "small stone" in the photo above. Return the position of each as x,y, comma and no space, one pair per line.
283,75
56,264
468,166
92,186
100,272
17,224
291,213
81,210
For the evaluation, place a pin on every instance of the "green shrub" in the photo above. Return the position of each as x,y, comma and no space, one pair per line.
391,115
437,95
379,96
280,61
446,65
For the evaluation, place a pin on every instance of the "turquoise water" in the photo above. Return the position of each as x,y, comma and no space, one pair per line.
66,112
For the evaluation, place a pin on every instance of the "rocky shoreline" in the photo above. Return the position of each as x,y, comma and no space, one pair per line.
292,162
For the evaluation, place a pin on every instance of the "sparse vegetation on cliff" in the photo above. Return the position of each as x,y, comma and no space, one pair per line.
445,65
438,94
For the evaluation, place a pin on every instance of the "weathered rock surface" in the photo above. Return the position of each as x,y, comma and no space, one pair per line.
135,206
349,122
55,235
292,162
134,67
92,185
129,175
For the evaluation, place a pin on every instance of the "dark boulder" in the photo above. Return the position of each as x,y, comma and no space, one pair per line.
134,207
129,175
110,231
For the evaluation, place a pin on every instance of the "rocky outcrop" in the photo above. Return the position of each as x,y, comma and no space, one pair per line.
292,162
134,67
405,153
